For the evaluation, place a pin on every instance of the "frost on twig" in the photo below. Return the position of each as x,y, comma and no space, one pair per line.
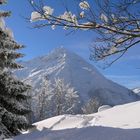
117,25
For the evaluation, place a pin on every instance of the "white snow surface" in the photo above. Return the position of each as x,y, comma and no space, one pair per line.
104,107
84,77
121,122
137,90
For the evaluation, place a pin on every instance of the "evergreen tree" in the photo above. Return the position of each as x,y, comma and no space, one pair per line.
12,91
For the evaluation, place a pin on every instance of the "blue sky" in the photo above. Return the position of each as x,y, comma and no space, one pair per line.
41,41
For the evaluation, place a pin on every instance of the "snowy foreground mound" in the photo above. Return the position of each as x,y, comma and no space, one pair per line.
118,123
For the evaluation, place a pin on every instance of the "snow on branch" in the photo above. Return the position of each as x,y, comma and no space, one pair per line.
117,24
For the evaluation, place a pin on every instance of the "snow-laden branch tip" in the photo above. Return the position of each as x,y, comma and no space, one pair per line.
104,17
9,32
2,24
32,2
84,5
53,27
82,14
68,16
112,50
35,16
107,20
48,10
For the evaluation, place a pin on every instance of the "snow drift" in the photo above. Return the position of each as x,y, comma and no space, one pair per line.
118,123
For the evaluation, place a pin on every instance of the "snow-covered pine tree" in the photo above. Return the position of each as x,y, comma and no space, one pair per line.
12,91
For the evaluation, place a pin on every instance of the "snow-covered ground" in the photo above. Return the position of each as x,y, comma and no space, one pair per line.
118,123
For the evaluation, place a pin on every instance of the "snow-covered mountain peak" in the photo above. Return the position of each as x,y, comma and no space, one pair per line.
58,53
61,50
71,58
82,76
56,61
62,55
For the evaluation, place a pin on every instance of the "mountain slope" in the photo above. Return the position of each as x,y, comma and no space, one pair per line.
81,75
118,123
